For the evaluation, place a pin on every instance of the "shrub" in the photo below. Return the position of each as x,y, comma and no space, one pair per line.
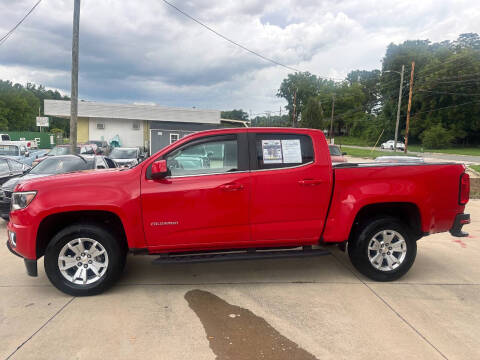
437,137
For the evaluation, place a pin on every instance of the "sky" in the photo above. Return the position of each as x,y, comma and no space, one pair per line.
146,52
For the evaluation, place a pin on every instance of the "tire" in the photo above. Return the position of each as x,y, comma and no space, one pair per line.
99,246
6,218
380,265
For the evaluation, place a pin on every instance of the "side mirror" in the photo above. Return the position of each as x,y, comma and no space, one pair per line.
344,153
159,169
27,154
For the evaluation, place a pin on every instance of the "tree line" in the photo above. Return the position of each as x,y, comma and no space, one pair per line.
445,107
20,105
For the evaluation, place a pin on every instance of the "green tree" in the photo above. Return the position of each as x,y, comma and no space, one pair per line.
235,115
305,85
312,116
437,137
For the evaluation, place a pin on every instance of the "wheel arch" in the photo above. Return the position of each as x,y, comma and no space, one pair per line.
408,213
52,224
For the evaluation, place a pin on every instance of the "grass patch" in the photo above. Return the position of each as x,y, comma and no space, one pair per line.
351,140
367,153
457,151
475,167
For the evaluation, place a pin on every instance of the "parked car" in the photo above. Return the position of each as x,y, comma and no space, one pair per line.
65,150
194,157
390,144
55,165
102,146
11,168
125,157
16,152
336,154
271,192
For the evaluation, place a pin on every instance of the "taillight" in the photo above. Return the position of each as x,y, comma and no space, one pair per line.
28,144
464,194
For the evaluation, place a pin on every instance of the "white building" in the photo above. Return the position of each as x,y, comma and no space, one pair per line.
149,126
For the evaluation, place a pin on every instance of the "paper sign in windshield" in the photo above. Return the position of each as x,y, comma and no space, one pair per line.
292,152
272,151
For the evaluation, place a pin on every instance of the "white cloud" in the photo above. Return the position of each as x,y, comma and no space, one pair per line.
144,51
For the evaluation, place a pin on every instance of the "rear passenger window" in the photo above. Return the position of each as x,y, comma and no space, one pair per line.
283,150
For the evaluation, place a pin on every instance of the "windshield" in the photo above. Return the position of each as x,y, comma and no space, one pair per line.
335,151
60,165
61,150
119,153
9,150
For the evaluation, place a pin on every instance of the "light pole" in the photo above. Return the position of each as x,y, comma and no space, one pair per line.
399,104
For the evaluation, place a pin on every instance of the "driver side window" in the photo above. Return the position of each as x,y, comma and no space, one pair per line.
207,157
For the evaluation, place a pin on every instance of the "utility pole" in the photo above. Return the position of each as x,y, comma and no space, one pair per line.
409,106
74,85
398,109
331,120
294,107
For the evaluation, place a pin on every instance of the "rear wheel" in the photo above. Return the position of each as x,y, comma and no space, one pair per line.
84,259
383,249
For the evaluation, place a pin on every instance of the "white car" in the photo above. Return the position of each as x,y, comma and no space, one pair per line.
391,143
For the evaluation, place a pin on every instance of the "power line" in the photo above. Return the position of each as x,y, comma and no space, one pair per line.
7,35
447,93
445,107
237,44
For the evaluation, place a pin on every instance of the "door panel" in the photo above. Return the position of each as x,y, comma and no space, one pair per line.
204,203
194,211
289,200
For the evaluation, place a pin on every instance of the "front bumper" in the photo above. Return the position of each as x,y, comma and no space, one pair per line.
30,265
460,220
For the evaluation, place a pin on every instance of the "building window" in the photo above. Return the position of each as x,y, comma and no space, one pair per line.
100,126
174,137
136,125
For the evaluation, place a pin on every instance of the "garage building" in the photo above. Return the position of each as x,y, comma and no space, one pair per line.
149,126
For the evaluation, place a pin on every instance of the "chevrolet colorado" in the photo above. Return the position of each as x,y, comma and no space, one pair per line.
262,193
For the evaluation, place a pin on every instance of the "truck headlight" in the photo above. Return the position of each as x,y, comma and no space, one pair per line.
20,200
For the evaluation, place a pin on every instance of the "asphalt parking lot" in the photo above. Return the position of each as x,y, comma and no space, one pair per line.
311,308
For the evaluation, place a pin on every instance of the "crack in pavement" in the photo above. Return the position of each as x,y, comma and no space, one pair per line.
40,328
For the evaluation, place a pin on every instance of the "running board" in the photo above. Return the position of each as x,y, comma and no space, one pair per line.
250,254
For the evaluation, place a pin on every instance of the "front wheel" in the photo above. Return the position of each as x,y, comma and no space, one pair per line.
84,259
383,249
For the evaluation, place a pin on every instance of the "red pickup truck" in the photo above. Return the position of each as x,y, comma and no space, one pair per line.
234,194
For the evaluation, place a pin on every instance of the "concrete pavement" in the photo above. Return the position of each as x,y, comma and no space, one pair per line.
306,308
